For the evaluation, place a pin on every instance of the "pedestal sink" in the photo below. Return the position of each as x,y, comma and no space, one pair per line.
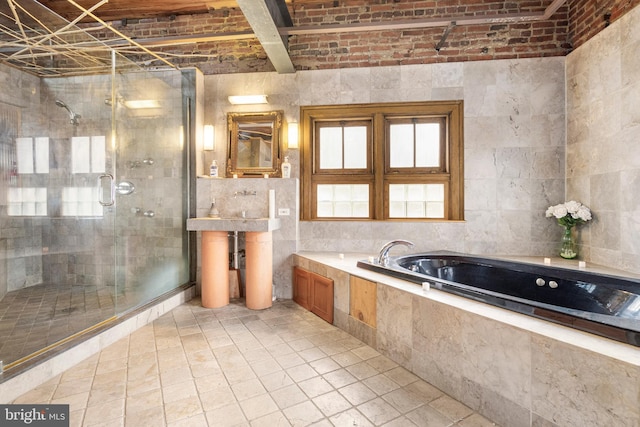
215,259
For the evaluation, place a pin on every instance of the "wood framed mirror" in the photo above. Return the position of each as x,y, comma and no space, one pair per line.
254,144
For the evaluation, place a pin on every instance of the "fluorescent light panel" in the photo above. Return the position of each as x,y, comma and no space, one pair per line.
139,104
247,99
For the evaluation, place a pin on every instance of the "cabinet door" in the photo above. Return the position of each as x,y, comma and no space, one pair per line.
322,297
301,287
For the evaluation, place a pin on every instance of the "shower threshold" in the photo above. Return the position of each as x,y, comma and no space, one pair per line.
52,326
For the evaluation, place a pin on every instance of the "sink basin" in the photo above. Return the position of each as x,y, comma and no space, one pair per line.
233,224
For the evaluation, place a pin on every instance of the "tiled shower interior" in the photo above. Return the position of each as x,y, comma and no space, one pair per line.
38,316
68,262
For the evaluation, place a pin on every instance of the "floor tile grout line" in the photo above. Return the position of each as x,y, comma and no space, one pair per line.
188,330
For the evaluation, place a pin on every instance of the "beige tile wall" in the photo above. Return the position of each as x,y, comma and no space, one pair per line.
514,146
603,142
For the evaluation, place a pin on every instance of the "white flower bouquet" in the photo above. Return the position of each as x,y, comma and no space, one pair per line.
570,213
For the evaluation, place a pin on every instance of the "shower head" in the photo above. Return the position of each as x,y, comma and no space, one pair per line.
73,117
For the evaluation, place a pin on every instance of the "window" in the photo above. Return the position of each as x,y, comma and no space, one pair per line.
27,201
382,161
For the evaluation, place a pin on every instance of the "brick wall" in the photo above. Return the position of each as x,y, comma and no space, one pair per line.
589,17
573,24
233,56
418,46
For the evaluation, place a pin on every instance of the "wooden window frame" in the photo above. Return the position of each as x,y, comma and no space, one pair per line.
381,175
390,120
345,123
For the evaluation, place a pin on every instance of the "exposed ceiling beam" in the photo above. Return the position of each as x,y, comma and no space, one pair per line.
409,24
264,17
196,38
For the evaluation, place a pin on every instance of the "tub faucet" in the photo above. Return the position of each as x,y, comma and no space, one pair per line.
383,256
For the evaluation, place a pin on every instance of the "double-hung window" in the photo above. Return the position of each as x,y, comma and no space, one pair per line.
382,161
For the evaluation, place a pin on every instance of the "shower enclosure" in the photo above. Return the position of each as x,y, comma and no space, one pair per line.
94,193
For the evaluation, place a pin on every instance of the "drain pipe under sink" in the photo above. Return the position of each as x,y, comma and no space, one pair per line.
235,250
235,278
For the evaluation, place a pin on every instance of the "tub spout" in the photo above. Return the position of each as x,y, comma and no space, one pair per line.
383,256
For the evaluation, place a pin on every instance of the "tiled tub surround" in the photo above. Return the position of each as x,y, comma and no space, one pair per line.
512,368
595,302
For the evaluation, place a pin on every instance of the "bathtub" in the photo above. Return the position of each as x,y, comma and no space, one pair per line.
600,304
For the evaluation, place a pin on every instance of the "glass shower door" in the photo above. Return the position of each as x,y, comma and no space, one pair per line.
151,187
57,275
70,259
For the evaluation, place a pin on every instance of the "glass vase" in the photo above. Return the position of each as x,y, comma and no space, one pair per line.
569,248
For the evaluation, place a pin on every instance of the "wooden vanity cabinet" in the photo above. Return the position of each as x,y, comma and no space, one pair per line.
313,292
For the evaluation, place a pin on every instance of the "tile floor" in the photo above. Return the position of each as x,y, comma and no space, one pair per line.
37,316
236,367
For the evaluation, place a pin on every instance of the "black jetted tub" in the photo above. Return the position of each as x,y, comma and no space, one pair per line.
601,304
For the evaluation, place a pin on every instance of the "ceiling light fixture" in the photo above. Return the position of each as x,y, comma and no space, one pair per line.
247,99
142,103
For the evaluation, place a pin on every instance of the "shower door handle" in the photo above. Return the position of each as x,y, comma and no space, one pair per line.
112,190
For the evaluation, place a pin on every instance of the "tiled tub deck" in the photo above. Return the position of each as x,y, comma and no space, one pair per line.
512,368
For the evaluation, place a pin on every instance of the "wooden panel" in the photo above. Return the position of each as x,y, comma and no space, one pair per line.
313,292
118,9
322,297
362,300
301,287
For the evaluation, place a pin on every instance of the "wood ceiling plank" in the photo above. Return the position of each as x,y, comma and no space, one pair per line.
117,10
221,4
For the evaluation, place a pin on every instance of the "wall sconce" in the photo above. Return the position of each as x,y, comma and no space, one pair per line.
247,99
292,135
209,138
